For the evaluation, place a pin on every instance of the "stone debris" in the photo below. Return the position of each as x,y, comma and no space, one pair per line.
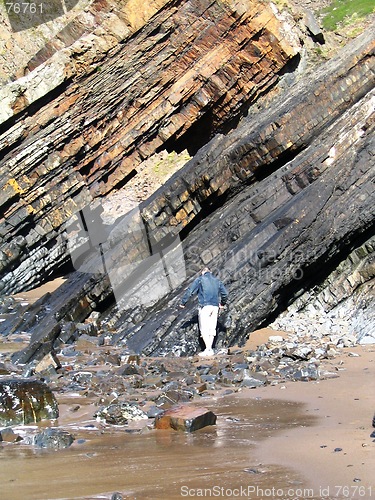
8,435
154,401
52,438
120,413
136,392
50,363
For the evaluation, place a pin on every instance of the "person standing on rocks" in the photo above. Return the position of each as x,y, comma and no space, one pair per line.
212,295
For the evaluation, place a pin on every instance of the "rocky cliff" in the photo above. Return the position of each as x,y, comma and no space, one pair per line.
279,159
82,120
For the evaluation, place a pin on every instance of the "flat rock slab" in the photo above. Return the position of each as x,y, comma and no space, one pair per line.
185,418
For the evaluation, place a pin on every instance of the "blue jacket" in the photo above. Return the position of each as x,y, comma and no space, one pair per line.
211,291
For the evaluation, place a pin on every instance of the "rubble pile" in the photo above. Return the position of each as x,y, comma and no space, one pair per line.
125,387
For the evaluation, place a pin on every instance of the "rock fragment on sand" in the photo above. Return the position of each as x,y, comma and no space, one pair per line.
185,418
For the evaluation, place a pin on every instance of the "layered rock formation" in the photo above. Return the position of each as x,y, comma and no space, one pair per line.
71,133
264,204
277,230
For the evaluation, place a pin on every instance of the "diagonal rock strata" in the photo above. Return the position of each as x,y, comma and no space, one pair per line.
264,204
268,232
69,137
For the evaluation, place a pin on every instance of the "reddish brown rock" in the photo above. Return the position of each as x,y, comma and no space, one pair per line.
185,418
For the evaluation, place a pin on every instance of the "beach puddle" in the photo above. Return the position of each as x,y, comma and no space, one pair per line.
217,461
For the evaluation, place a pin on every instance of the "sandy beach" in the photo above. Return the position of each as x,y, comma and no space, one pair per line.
335,455
319,444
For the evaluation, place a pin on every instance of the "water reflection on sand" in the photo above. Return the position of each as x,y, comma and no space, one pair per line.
217,461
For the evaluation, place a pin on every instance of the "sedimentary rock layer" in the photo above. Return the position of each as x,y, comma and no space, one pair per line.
266,205
69,136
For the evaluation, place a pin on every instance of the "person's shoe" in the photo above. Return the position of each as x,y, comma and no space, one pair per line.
202,354
206,353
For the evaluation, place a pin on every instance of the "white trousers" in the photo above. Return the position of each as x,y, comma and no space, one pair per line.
207,319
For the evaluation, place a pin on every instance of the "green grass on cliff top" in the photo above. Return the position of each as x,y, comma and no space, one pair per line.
346,12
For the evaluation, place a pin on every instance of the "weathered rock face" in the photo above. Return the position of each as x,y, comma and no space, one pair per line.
264,205
24,401
267,234
79,35
342,302
69,136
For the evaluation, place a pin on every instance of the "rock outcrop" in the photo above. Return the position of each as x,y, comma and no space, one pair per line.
278,190
263,201
69,136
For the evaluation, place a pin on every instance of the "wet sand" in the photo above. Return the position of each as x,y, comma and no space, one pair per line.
33,295
297,440
156,464
336,455
271,442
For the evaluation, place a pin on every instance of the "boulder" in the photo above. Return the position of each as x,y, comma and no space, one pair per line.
24,401
8,435
185,418
52,438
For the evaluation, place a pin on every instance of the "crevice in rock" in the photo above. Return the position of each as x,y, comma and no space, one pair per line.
208,207
197,136
8,203
291,66
123,181
286,156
